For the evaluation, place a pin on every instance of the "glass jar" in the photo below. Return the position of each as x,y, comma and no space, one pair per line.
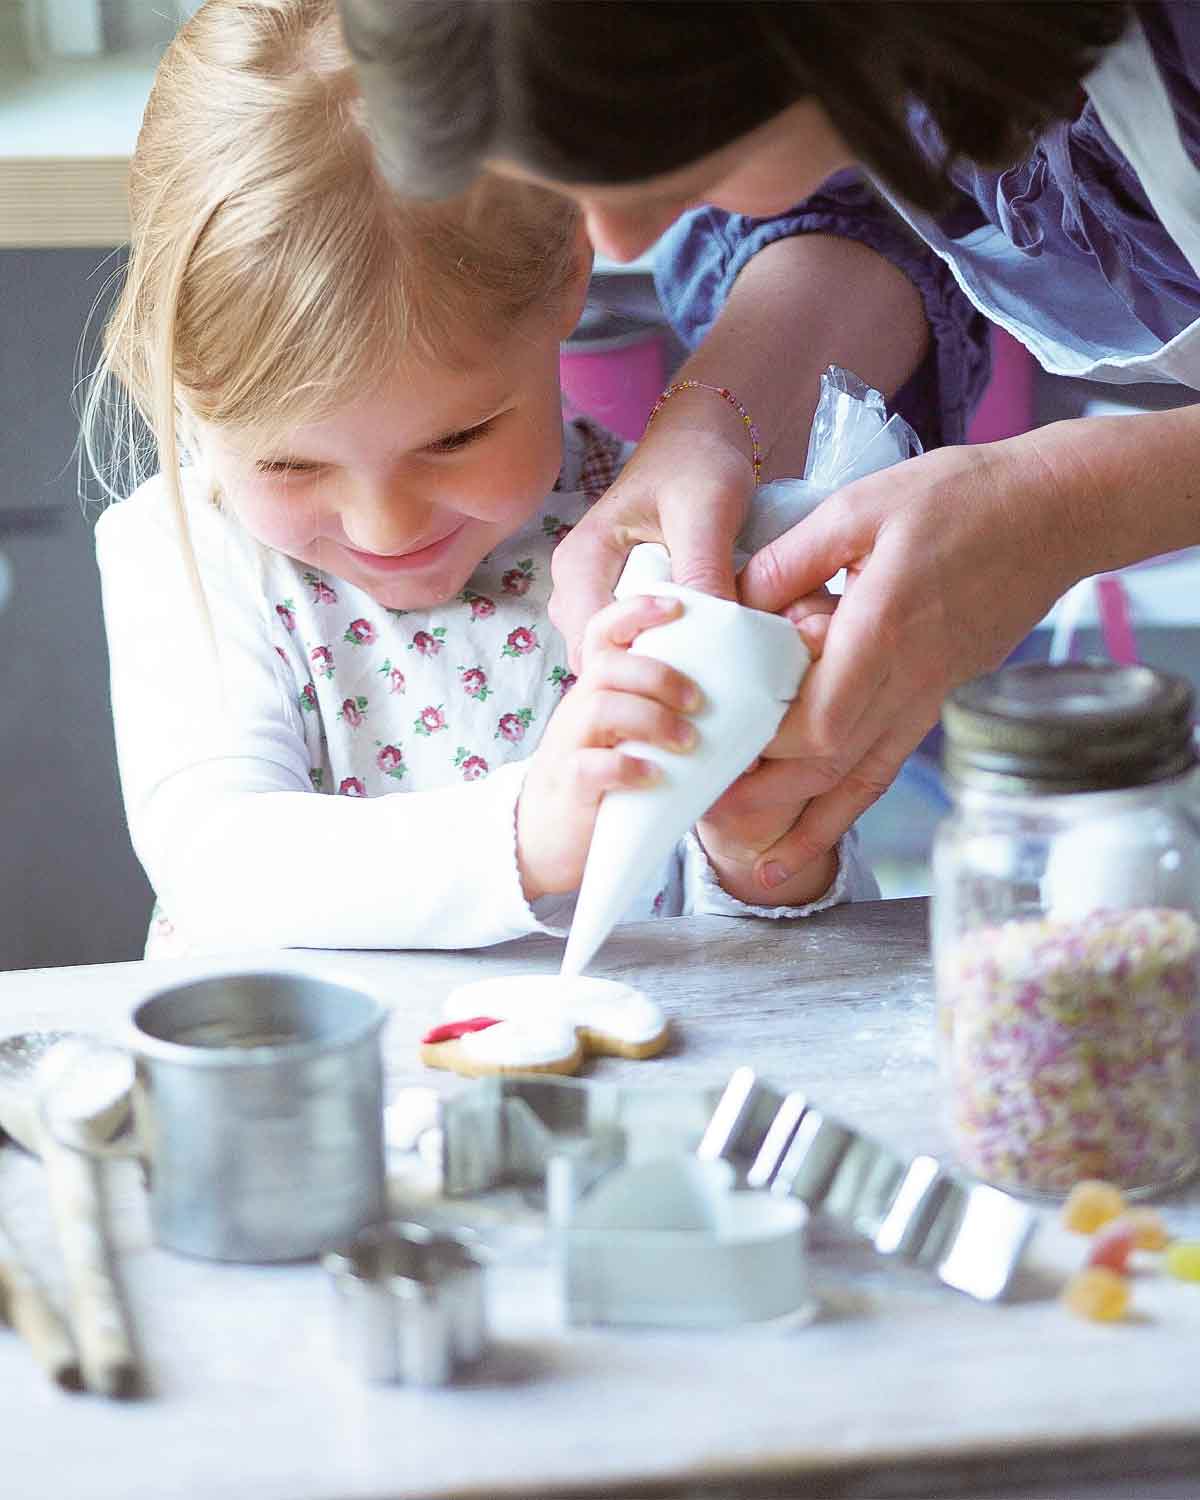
1066,881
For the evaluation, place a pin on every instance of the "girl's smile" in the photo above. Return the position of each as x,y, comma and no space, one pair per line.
418,557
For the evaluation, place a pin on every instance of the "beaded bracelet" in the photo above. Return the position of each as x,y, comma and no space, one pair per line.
726,395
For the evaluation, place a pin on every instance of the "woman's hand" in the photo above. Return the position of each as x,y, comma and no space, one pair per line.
688,485
619,696
951,559
801,303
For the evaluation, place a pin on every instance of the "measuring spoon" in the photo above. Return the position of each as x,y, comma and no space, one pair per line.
63,1096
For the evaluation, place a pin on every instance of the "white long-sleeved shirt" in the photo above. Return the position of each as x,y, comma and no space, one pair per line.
304,767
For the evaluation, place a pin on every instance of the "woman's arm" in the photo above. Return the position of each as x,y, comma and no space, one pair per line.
767,304
799,305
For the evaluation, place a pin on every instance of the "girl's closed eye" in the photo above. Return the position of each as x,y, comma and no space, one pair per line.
454,442
286,467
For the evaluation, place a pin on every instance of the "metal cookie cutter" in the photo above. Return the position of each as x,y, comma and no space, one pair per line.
668,1244
505,1131
972,1236
410,1304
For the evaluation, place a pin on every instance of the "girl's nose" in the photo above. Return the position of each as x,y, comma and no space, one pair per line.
384,518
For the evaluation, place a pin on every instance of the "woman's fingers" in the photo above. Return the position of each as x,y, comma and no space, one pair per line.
801,561
760,805
827,816
845,699
687,487
700,539
585,567
812,616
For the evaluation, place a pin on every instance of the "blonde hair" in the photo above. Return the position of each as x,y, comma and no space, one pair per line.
273,273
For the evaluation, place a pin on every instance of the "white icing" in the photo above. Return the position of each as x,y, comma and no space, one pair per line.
515,1044
541,1001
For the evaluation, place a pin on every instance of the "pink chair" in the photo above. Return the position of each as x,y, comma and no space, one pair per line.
1007,407
614,372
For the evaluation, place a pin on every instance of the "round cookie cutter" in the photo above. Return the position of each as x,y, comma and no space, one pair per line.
410,1303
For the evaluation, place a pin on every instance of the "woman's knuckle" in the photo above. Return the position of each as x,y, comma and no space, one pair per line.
770,569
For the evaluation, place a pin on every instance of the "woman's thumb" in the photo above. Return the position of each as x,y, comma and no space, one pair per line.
799,562
701,548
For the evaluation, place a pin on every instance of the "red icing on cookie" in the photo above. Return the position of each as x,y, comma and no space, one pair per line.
454,1029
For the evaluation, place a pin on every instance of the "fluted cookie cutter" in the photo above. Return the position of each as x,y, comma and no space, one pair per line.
669,1243
972,1236
410,1304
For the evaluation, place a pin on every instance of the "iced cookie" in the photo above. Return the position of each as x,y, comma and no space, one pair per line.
542,1023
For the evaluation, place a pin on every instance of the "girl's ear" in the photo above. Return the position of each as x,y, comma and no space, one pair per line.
575,294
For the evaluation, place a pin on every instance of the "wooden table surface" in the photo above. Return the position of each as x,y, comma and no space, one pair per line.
900,1386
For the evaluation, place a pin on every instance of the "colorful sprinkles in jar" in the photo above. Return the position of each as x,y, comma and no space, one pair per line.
1072,1049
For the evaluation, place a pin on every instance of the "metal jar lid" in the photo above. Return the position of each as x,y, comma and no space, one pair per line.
1086,726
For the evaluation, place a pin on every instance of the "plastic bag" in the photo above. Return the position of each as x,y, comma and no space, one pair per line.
852,436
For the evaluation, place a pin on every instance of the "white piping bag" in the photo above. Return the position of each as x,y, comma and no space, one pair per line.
748,666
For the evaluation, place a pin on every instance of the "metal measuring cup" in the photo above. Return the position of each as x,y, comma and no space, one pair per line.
258,1109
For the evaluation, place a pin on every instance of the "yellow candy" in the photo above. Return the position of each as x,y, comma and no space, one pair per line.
1149,1231
1091,1204
1183,1260
1097,1294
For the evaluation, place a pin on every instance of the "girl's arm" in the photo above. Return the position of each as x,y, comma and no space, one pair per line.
215,773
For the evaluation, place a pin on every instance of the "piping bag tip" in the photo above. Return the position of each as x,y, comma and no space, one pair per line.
576,957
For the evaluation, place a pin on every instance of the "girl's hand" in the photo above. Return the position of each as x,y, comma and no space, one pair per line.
619,696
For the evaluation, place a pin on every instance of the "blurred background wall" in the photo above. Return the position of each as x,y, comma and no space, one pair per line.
70,888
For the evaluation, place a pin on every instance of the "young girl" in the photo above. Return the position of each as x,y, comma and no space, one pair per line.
335,589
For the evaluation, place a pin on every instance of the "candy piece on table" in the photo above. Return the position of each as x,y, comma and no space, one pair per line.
1090,1205
1149,1230
1113,1245
1182,1260
1098,1294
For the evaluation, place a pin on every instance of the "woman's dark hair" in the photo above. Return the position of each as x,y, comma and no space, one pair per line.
617,91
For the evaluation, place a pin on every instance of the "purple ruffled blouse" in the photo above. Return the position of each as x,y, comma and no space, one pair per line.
1075,197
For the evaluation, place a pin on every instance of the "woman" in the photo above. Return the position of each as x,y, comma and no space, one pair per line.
1042,155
